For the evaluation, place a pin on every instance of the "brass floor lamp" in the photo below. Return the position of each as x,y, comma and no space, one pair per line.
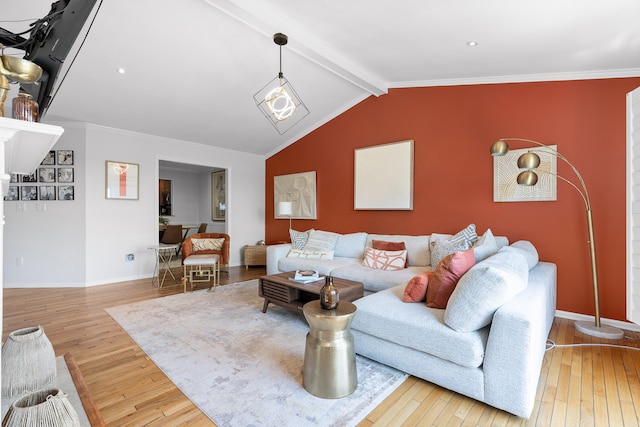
530,161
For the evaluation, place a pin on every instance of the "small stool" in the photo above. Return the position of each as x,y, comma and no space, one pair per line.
329,357
202,268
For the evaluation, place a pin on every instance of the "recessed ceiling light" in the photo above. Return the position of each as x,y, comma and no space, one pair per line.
472,43
121,70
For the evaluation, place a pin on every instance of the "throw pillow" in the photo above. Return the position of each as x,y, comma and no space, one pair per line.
416,290
384,260
321,241
299,238
445,277
484,288
310,254
467,234
442,248
485,246
207,244
383,245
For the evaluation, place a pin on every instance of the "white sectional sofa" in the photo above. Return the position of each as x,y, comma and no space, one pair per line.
489,341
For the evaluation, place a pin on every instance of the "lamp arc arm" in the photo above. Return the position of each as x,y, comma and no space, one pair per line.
584,193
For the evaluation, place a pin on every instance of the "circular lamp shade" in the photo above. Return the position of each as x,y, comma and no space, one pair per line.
528,178
499,148
529,160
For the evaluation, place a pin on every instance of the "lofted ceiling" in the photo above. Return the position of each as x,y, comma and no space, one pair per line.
193,66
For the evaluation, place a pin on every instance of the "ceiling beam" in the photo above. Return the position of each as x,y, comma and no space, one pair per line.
267,21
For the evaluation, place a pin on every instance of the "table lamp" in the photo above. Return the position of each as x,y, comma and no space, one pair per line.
286,209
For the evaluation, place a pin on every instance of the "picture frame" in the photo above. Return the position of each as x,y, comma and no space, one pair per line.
32,177
65,157
66,192
46,174
47,192
218,196
49,159
121,180
300,190
14,177
505,173
29,193
383,177
13,194
65,174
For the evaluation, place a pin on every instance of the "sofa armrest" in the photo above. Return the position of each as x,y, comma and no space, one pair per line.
517,343
274,253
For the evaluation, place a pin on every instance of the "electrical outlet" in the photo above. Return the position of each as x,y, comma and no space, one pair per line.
129,257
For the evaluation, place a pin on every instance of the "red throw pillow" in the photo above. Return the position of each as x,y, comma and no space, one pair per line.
445,277
416,290
383,245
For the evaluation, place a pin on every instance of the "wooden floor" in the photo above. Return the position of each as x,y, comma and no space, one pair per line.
579,386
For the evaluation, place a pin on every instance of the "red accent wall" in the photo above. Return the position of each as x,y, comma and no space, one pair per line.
453,128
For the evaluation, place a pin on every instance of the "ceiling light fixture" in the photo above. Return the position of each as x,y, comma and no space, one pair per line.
472,43
121,70
278,100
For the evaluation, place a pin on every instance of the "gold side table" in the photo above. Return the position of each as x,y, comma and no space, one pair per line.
329,357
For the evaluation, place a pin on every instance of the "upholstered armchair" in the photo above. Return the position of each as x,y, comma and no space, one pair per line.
203,255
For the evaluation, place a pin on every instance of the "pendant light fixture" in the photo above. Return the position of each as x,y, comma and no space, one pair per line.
278,100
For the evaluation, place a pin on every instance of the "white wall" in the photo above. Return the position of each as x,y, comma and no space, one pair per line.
84,242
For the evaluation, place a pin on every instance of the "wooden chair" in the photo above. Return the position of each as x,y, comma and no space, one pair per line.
173,235
202,228
203,265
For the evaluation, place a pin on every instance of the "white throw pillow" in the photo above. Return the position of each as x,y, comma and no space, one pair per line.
310,254
530,252
321,241
384,260
207,244
485,246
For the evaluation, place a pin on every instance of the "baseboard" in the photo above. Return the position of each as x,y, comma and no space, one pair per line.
615,323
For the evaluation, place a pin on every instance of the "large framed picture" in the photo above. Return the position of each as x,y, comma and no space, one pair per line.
121,180
218,196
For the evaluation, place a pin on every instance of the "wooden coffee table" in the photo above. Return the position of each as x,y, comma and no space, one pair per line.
279,289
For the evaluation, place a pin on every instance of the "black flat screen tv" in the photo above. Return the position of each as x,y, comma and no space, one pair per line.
49,45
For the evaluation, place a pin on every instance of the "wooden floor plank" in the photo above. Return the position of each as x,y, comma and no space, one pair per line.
582,386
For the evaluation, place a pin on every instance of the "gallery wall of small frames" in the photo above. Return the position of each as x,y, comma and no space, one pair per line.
53,180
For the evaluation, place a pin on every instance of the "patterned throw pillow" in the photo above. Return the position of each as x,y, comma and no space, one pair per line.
442,248
299,238
384,260
467,234
207,244
383,245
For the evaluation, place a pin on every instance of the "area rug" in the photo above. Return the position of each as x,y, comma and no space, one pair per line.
240,366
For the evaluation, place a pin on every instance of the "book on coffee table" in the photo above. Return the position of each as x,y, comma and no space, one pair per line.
306,276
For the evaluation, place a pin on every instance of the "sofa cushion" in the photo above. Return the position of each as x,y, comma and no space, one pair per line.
321,241
299,238
324,267
484,288
417,247
416,289
446,275
383,245
351,245
375,280
485,246
385,315
530,252
384,260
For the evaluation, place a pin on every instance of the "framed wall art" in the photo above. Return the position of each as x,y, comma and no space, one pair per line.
383,178
121,180
66,192
65,157
218,196
505,174
300,190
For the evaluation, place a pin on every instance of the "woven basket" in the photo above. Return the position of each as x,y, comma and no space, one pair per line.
28,361
43,408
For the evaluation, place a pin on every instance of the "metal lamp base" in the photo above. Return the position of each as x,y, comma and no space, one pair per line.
603,331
